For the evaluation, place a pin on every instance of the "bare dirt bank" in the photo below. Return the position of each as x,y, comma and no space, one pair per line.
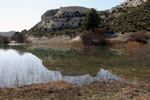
62,90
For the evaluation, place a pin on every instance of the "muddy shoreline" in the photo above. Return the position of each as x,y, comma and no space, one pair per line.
62,90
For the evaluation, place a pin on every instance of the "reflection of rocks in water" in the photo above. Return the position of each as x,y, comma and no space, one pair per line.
79,80
104,75
17,70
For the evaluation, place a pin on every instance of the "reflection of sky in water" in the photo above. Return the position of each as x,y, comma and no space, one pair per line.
17,70
12,55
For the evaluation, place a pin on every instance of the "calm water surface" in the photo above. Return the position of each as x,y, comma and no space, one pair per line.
20,68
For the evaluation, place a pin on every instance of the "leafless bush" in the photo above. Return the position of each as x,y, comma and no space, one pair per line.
19,38
96,37
140,36
4,40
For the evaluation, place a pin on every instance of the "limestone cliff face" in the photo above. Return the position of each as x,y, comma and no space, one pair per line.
127,4
65,17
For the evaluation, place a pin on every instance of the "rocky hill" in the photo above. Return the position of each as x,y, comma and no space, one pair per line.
127,16
138,18
65,17
66,20
127,4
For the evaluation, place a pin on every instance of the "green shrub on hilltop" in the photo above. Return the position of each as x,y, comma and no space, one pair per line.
136,19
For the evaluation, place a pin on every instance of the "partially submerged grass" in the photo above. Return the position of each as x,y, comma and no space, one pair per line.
72,62
133,63
130,63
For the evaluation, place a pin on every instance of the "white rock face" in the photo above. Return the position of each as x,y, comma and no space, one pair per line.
65,17
72,11
127,3
49,13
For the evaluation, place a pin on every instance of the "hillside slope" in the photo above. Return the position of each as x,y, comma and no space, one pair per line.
59,19
137,18
127,4
131,15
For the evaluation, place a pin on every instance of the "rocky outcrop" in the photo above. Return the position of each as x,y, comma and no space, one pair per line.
65,17
49,13
127,4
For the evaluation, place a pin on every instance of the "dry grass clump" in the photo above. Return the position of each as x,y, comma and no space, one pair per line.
51,85
137,49
133,48
140,98
97,37
140,36
134,44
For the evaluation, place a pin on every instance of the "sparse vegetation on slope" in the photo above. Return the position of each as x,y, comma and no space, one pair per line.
128,19
137,18
39,32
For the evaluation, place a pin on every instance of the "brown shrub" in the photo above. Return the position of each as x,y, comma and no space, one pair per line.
19,37
140,36
4,40
97,37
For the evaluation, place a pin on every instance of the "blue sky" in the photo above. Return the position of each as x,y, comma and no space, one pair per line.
24,14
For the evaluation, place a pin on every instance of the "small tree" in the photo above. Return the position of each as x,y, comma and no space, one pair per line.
19,37
91,20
